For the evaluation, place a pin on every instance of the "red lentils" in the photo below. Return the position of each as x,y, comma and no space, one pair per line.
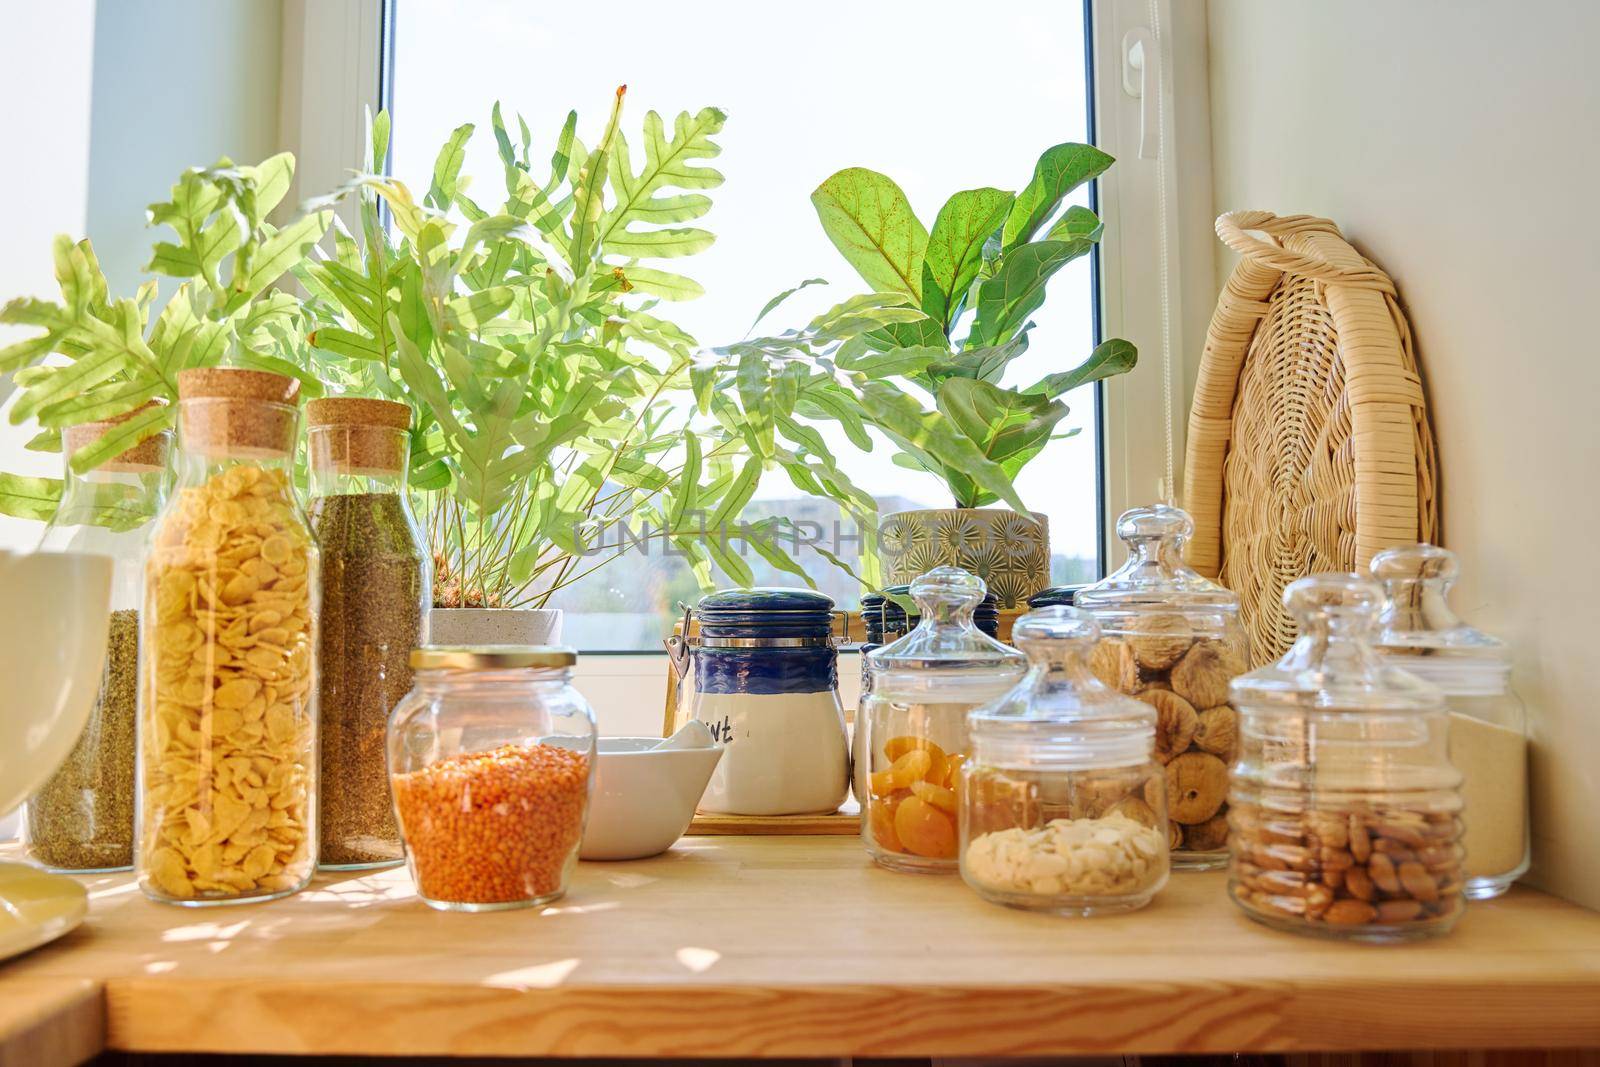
495,827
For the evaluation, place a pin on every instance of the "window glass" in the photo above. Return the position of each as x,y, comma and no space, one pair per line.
939,95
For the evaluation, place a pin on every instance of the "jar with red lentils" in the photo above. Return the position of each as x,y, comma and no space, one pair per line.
491,760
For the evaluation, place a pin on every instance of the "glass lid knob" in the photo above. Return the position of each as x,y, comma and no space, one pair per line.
1339,603
1156,523
1055,634
948,592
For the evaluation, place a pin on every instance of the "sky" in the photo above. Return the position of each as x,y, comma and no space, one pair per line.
930,93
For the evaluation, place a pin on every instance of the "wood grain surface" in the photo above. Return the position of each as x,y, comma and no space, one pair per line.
799,946
50,1022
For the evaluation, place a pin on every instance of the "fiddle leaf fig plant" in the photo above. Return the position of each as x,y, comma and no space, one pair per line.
956,302
114,358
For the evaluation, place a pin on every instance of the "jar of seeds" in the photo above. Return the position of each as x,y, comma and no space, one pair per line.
375,599
227,658
81,819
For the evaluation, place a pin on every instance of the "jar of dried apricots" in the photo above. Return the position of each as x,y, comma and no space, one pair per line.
227,807
491,759
1172,638
1345,805
923,686
1063,804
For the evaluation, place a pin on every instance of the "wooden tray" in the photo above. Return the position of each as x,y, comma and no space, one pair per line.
845,822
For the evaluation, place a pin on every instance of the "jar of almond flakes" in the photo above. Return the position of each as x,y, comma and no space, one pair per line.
227,671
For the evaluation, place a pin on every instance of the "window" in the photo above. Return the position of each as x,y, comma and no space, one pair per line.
809,90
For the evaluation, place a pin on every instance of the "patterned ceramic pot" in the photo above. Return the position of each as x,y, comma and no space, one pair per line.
1009,551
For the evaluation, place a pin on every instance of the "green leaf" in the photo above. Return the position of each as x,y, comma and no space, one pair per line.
955,249
933,438
379,128
272,177
868,219
1078,224
121,437
683,501
987,362
588,194
29,498
738,495
1001,422
668,164
1060,170
754,381
447,168
770,305
280,252
27,352
1109,359
901,362
1018,288
662,283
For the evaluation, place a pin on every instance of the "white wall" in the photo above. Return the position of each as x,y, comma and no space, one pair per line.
1454,142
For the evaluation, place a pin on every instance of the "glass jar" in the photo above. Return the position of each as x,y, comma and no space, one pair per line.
81,819
1344,818
1419,633
227,665
872,605
376,592
923,686
492,762
1063,804
1173,639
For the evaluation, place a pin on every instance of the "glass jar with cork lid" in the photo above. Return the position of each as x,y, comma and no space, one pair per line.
1419,633
1172,638
227,808
376,592
81,819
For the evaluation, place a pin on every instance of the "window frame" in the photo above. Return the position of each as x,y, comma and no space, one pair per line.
338,64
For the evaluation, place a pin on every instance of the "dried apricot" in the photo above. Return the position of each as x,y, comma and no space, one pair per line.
910,767
937,795
953,773
924,830
939,761
880,822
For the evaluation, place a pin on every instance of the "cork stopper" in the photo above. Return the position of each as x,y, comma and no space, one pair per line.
143,458
235,411
351,434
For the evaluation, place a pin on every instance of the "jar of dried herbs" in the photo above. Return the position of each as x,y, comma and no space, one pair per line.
81,819
375,598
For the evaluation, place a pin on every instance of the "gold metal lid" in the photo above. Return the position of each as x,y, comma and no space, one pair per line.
490,657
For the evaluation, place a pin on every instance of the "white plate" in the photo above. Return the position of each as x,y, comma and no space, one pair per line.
36,907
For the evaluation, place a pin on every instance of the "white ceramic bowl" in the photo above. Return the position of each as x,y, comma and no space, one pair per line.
644,797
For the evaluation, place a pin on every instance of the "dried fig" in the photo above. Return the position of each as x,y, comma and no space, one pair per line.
1175,722
1217,732
1174,835
1203,674
1197,784
1208,836
1161,641
1112,662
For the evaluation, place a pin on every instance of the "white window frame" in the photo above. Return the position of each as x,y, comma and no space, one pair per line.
335,60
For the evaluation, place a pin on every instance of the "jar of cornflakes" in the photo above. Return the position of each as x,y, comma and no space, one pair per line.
923,686
1345,809
1172,638
1063,804
376,592
81,819
227,807
491,758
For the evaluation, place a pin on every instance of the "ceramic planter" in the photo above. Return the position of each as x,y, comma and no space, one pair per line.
494,626
1008,550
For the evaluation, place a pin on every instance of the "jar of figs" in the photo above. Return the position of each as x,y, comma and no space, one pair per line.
227,655
1063,803
491,758
1419,633
1172,638
376,592
923,686
1345,806
81,819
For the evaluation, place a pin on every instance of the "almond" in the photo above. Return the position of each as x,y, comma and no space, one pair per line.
1418,882
1349,913
1399,911
1359,883
1384,876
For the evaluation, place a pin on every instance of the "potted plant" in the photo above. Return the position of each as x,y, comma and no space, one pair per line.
950,310
114,360
547,387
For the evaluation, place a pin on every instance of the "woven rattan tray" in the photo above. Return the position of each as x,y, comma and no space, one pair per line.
1309,446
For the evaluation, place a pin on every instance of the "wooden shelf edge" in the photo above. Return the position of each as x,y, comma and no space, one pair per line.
405,1018
51,1022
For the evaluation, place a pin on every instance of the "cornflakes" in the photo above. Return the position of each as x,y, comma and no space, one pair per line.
227,725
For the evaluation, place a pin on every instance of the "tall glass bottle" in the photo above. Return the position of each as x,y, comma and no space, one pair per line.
81,819
227,807
375,598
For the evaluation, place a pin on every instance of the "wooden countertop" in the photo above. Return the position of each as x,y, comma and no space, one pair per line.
793,946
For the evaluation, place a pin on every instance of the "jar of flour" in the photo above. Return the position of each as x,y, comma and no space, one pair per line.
762,675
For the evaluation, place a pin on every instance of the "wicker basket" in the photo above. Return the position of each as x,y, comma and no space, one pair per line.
1309,447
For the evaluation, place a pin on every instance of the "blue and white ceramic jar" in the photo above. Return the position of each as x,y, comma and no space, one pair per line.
763,677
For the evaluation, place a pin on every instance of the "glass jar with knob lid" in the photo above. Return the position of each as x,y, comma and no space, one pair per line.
923,686
1419,633
1172,638
1063,803
1345,806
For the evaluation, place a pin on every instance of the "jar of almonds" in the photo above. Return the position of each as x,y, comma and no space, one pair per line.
227,655
923,686
1345,804
1172,639
1063,804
